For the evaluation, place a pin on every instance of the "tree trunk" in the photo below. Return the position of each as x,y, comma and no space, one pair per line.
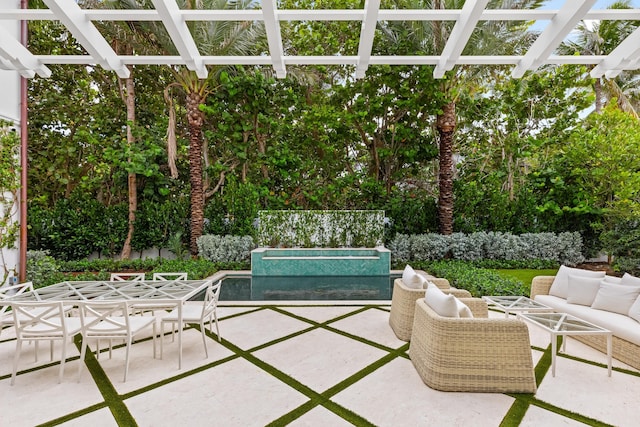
597,88
130,102
446,124
195,119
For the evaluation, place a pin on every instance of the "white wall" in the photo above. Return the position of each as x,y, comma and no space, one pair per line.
10,111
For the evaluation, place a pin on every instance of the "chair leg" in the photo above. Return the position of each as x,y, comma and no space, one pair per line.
161,338
83,352
62,358
204,338
126,361
16,357
215,318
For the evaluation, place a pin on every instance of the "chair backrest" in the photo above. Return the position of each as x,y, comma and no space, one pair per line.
127,277
12,290
38,319
104,318
211,297
169,276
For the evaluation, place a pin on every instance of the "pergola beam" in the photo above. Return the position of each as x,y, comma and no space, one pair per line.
74,18
469,17
14,56
274,37
626,55
562,23
79,22
367,32
176,26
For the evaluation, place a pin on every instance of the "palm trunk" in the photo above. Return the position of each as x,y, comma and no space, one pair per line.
446,124
597,88
195,119
130,101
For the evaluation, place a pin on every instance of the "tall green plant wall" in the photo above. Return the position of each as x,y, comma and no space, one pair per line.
309,229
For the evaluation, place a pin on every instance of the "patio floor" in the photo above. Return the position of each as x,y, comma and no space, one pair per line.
299,364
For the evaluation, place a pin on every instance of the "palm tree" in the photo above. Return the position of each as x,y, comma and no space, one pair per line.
213,38
600,38
429,38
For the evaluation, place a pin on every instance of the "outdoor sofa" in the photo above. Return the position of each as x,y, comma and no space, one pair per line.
609,302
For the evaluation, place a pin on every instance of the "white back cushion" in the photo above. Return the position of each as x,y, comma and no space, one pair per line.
628,279
612,279
443,304
634,311
560,285
583,290
463,309
616,298
410,278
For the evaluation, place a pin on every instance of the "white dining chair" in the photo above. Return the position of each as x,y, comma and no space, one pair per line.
196,313
169,276
6,317
110,320
42,321
127,277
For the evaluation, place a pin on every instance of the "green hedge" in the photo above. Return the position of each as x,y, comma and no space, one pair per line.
478,281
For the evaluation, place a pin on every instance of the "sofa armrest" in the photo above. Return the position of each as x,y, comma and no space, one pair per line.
540,285
440,282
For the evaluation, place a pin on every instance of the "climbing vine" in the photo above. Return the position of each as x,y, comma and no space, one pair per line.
9,186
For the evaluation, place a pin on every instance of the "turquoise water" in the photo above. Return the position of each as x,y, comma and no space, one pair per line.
320,288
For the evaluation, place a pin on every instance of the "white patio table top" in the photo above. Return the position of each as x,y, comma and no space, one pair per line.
161,292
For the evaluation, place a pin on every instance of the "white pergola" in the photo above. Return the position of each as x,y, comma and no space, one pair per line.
556,25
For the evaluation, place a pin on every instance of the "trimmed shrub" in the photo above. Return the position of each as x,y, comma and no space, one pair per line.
225,248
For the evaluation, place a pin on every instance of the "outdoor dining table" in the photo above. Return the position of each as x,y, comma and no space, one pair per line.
160,293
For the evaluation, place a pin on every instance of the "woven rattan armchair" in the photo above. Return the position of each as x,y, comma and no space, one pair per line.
471,354
403,304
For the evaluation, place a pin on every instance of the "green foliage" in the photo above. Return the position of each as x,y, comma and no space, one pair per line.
309,229
42,269
478,281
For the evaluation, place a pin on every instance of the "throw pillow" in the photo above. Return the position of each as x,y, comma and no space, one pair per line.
583,290
410,278
463,309
443,304
612,279
560,285
616,298
628,279
634,311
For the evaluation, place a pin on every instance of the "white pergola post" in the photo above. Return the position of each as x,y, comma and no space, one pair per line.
10,112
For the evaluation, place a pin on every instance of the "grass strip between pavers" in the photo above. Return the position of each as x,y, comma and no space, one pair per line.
112,400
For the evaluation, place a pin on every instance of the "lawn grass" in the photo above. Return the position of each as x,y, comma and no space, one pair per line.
526,275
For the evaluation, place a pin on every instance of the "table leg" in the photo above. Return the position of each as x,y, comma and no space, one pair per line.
609,345
554,340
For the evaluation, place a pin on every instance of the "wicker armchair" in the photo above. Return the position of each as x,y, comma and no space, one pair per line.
403,304
471,355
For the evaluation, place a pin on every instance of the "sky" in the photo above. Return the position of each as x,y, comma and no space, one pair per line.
600,4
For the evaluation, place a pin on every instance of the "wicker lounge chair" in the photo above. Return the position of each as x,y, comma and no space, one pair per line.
471,354
403,304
